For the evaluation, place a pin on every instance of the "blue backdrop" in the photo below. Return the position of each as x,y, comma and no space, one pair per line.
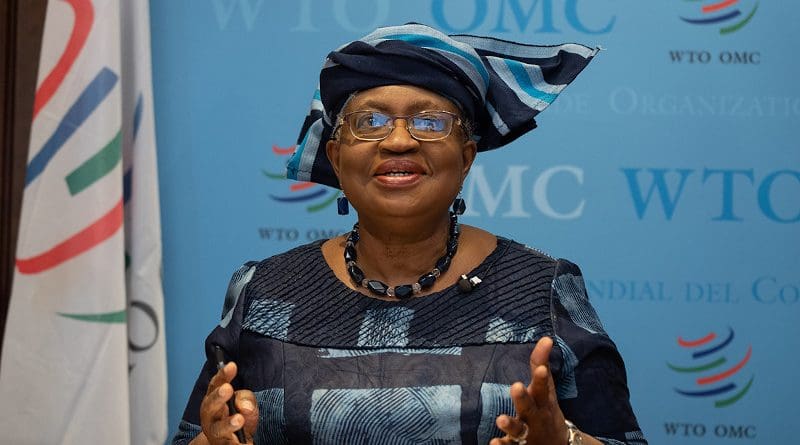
668,171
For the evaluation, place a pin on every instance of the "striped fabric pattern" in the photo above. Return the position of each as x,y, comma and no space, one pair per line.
237,283
568,287
500,85
567,387
270,403
340,353
494,399
401,416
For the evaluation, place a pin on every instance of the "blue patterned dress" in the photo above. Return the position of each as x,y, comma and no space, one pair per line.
329,365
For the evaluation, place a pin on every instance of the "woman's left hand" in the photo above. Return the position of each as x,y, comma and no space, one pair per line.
539,419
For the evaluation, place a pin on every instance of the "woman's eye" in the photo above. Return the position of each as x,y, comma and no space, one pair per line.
373,120
428,124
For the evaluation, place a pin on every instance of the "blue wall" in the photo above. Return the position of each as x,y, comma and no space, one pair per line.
668,171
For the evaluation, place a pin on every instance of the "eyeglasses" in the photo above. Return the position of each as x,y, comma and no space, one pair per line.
424,126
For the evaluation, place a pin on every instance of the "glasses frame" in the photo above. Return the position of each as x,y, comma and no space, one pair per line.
343,118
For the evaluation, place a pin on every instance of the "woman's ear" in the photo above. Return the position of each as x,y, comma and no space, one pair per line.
332,148
469,152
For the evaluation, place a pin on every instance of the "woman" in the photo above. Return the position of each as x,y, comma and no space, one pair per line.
412,328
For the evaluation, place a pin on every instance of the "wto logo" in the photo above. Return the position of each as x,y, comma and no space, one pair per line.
707,361
102,89
315,196
725,13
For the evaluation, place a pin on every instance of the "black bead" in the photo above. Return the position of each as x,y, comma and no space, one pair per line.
349,254
459,206
353,235
444,263
377,287
427,280
356,273
404,291
452,246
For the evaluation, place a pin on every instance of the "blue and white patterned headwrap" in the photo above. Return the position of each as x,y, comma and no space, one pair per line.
499,85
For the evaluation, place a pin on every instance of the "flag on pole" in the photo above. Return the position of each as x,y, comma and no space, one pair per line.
80,338
148,368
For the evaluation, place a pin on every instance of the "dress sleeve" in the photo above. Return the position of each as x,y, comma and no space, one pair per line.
224,335
592,385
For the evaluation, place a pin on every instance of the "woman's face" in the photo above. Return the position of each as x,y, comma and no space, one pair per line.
399,175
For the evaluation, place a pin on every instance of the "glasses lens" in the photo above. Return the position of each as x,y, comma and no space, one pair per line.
431,126
370,124
424,126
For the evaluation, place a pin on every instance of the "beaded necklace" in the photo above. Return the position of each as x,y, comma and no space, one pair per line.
402,291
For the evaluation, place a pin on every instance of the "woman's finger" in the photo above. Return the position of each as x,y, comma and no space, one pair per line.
514,428
540,354
543,390
248,407
524,404
214,405
542,387
223,431
224,375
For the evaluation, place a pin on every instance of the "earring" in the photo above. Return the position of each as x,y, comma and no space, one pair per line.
459,205
342,205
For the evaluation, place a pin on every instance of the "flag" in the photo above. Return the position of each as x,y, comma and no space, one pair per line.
148,369
85,328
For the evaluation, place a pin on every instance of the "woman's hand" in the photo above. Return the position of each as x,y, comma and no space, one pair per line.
537,407
219,426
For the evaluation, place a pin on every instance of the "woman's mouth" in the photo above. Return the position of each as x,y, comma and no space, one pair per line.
400,174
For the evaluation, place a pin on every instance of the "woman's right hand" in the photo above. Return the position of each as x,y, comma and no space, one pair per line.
219,426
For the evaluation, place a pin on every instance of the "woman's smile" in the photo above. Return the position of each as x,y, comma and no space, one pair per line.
398,172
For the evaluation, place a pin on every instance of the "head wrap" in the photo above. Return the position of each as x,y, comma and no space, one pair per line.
499,85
